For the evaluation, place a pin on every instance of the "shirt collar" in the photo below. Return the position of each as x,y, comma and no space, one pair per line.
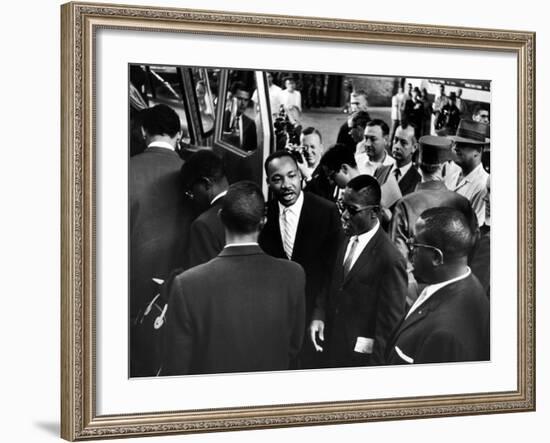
296,208
230,245
217,197
161,144
404,169
365,237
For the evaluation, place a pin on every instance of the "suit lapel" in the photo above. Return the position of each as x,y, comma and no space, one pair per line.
365,258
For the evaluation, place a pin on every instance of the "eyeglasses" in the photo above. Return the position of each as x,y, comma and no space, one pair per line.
189,194
189,191
352,210
413,246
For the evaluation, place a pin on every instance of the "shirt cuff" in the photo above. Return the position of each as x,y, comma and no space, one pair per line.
364,345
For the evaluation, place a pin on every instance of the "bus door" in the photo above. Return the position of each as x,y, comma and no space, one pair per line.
243,133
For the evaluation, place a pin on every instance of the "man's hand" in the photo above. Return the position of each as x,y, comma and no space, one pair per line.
317,327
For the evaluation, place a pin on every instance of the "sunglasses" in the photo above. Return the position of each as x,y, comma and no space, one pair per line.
352,210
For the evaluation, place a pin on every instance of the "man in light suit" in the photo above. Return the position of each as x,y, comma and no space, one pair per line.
159,221
204,182
449,322
242,311
301,227
366,296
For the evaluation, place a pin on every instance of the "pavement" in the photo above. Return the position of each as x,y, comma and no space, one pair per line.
329,119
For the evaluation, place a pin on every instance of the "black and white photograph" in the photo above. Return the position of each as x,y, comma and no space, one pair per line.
285,221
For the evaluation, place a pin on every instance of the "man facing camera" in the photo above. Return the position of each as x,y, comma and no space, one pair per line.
449,322
301,227
242,311
366,297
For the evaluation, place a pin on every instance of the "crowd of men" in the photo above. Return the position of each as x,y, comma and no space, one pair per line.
372,251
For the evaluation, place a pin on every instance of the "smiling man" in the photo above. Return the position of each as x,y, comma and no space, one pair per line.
301,227
315,180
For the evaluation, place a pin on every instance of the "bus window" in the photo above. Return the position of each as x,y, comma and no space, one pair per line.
242,124
204,98
163,86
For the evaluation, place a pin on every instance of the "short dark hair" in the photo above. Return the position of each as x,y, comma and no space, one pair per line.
449,230
201,164
360,118
383,125
243,207
160,120
311,130
239,86
336,156
367,187
278,154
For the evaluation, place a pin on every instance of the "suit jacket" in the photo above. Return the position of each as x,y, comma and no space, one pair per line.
432,194
207,236
159,221
321,185
242,311
452,325
409,181
315,246
368,302
249,136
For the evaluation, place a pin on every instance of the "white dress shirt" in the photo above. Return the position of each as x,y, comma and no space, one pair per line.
289,99
292,218
402,170
474,188
366,166
217,197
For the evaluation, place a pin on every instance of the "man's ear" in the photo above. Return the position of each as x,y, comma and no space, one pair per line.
437,259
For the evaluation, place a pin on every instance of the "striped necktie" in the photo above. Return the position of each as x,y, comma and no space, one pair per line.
349,258
288,243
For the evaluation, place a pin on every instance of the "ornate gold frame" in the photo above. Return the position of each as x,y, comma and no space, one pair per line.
79,23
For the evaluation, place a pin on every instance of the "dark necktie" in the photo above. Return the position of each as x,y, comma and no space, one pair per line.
397,174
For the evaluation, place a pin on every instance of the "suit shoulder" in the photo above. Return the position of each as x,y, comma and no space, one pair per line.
318,202
388,247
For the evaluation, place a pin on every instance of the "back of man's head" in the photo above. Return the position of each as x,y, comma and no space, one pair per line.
360,118
160,120
204,164
449,230
367,188
243,208
338,155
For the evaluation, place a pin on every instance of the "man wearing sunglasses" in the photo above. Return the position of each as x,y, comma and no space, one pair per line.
449,322
366,296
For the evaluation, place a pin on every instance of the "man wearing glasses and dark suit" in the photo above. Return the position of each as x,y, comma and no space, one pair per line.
366,296
449,322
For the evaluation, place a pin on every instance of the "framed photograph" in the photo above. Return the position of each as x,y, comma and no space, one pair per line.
153,89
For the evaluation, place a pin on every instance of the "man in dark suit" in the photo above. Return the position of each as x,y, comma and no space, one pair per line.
366,297
159,220
358,102
242,311
449,321
301,227
315,180
403,149
239,129
204,182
